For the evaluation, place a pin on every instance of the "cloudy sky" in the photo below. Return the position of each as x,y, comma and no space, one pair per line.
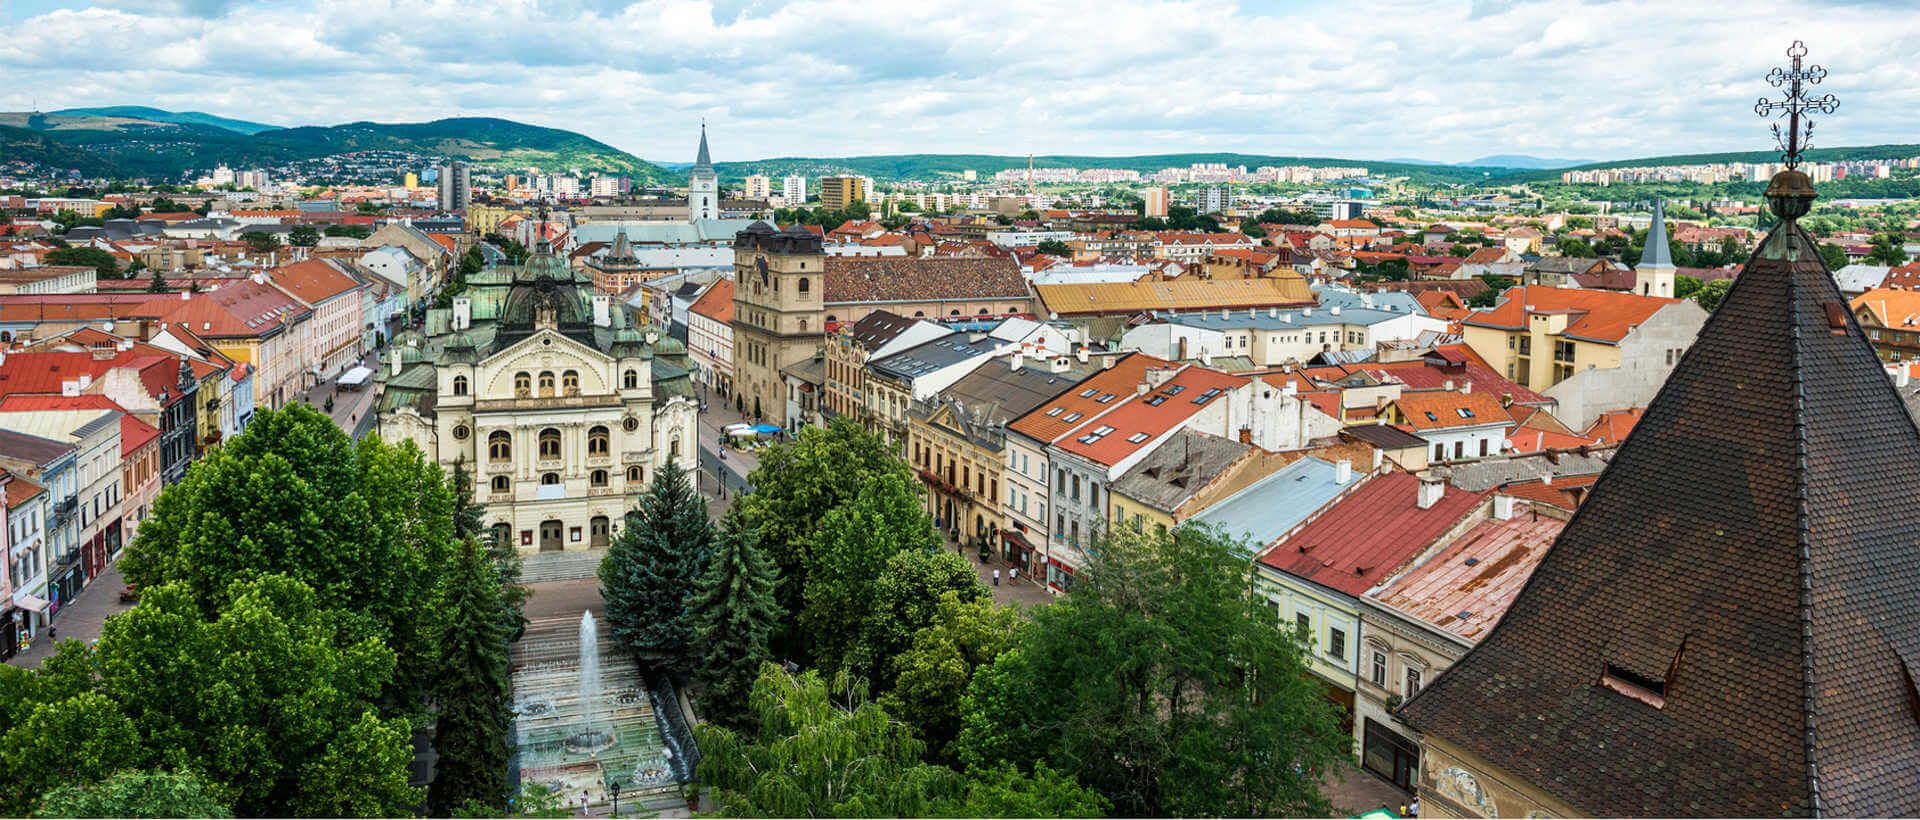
1433,79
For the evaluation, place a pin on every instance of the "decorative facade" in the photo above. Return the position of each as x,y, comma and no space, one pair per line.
558,406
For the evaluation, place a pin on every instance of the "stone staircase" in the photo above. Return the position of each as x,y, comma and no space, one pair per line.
560,566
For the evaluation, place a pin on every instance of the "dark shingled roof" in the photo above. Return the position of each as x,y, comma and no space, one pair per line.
907,279
1754,551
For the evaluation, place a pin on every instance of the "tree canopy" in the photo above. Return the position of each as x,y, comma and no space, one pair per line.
103,263
652,567
734,613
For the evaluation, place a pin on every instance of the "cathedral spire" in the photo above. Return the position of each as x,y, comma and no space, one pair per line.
703,160
1657,254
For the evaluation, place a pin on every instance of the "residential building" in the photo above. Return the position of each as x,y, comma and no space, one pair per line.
895,383
23,608
1084,304
851,345
1180,478
839,193
1455,424
563,409
1156,199
793,189
710,338
336,325
250,322
758,186
1273,337
1590,351
1891,317
1722,629
75,454
456,187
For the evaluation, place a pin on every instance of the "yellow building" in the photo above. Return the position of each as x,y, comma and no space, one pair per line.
412,180
486,219
839,193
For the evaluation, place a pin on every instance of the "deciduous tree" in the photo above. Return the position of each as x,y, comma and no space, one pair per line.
930,678
903,601
136,793
855,541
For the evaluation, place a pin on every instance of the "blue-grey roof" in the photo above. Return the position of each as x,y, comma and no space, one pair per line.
1657,254
931,356
1397,301
1261,513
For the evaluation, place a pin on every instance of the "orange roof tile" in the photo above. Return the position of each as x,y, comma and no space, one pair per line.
716,303
1613,427
1068,410
1135,421
1601,316
1443,409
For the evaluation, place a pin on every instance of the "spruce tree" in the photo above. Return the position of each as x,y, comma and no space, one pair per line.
473,692
650,571
734,613
467,523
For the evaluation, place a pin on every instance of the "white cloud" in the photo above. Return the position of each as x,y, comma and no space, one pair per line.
1446,80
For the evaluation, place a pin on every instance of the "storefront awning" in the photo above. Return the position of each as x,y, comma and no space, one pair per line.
31,603
357,376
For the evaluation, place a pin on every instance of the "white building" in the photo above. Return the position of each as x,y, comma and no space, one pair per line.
793,189
1274,337
703,185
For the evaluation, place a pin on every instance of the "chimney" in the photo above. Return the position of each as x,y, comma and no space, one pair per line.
462,312
1335,310
1902,375
1466,386
1378,456
1273,313
602,310
393,359
186,294
1108,361
258,278
1017,362
1503,507
1180,351
1506,399
1080,352
1061,364
1432,488
1342,472
1447,385
1306,311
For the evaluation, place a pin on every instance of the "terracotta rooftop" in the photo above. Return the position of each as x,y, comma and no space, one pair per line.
1072,408
1444,409
1184,294
1136,421
1368,535
868,279
1600,316
716,303
1465,588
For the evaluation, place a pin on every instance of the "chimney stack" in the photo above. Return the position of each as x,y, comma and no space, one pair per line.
1503,507
1342,472
393,359
462,312
1433,487
1017,362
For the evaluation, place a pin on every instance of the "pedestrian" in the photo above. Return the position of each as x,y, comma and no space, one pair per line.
1413,808
996,576
1013,577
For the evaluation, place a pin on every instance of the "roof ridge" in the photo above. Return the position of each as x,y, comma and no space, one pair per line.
1782,243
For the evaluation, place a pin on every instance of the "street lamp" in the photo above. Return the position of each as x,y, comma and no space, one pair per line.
614,787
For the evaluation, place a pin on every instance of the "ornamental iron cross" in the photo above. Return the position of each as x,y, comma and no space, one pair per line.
1798,134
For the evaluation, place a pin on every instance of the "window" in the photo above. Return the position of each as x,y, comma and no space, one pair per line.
1136,438
1070,417
598,441
1089,392
1439,452
522,385
460,432
459,385
1483,448
500,446
630,379
570,382
598,478
1413,682
635,475
1302,626
1337,644
501,484
1054,411
549,443
1378,671
546,383
1459,449
549,478
806,286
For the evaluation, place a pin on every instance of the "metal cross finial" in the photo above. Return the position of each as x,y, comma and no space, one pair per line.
1797,135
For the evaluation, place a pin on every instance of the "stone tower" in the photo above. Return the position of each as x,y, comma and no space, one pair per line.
703,185
778,310
1655,275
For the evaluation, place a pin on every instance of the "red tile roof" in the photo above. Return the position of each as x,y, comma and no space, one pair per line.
1613,427
1465,588
1566,492
241,308
1534,440
716,303
1603,316
313,281
1362,539
1137,420
42,372
1044,424
1443,409
19,490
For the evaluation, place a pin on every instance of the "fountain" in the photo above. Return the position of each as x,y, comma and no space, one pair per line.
591,739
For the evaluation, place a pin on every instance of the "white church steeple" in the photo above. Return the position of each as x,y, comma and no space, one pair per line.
703,185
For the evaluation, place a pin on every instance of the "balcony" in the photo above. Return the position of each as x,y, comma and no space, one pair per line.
64,510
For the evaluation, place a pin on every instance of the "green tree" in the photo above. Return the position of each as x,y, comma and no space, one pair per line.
1834,255
158,284
505,560
904,600
136,793
1712,292
355,231
653,565
795,484
884,519
734,613
362,773
1887,249
1575,247
368,527
1684,287
106,266
1054,247
828,751
930,678
473,695
260,241
1193,700
305,236
82,738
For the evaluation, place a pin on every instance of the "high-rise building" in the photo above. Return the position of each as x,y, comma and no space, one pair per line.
1213,199
1156,202
794,190
456,187
759,186
838,193
703,185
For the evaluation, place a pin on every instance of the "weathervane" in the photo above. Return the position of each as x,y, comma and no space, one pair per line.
1797,137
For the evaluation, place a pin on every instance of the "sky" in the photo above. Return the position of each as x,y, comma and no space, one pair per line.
1426,79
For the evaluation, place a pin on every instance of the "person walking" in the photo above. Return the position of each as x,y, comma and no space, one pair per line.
1013,577
996,576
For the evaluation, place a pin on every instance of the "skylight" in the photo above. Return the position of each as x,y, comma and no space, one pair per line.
1136,438
1089,392
1072,417
1431,417
1464,412
1103,430
1053,411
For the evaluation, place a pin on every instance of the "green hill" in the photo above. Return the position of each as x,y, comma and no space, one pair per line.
1812,155
123,145
162,115
933,167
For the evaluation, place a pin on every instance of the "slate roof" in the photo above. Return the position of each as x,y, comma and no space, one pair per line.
865,279
1730,625
1178,469
1657,253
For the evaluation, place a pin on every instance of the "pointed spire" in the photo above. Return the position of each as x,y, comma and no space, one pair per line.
703,161
1657,254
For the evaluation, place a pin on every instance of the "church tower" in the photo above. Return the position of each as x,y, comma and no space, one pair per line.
703,185
1656,273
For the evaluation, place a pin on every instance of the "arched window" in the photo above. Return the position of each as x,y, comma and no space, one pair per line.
501,532
599,441
546,383
549,478
549,443
803,325
635,474
983,311
673,444
598,478
501,484
806,286
631,379
459,385
919,314
832,318
570,383
500,446
954,312
522,385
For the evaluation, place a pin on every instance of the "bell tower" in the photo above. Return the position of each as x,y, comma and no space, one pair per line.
779,302
703,185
